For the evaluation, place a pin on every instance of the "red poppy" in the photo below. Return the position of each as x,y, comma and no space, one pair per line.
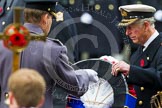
1,10
142,63
131,90
17,39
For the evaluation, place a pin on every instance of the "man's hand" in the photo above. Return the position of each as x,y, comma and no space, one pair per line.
120,66
117,66
92,75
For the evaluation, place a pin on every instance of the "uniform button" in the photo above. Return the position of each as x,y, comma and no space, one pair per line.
8,8
140,102
3,23
142,88
6,95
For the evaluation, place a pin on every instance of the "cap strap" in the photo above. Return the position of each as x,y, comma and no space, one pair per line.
140,15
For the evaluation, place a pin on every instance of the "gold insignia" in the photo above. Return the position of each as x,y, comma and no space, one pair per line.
126,22
59,16
123,13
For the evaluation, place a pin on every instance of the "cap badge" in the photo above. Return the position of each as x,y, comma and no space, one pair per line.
123,13
59,16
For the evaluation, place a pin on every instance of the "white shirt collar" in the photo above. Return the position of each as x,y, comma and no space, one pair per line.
147,43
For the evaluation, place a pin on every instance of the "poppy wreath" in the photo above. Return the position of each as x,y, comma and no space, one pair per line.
16,37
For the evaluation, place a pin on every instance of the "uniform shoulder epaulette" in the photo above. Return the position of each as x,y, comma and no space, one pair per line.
56,41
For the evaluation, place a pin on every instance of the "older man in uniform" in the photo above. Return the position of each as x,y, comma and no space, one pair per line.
145,68
50,58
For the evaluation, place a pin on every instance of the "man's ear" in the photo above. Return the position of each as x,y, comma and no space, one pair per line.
41,102
11,98
147,25
44,18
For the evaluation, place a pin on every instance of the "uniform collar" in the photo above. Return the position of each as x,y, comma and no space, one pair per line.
154,35
33,28
150,52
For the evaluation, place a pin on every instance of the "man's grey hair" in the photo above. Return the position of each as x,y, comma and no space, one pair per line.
151,20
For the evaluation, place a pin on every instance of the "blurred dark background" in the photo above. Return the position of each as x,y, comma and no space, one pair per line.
96,32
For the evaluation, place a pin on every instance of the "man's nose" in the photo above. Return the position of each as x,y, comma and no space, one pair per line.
127,32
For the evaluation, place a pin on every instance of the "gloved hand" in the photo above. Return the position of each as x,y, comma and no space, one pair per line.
92,75
109,59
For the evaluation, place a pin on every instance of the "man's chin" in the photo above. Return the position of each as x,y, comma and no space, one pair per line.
135,41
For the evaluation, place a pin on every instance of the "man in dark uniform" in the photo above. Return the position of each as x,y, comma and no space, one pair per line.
145,67
50,57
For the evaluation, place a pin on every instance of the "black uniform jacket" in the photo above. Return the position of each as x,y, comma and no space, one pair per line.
146,72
